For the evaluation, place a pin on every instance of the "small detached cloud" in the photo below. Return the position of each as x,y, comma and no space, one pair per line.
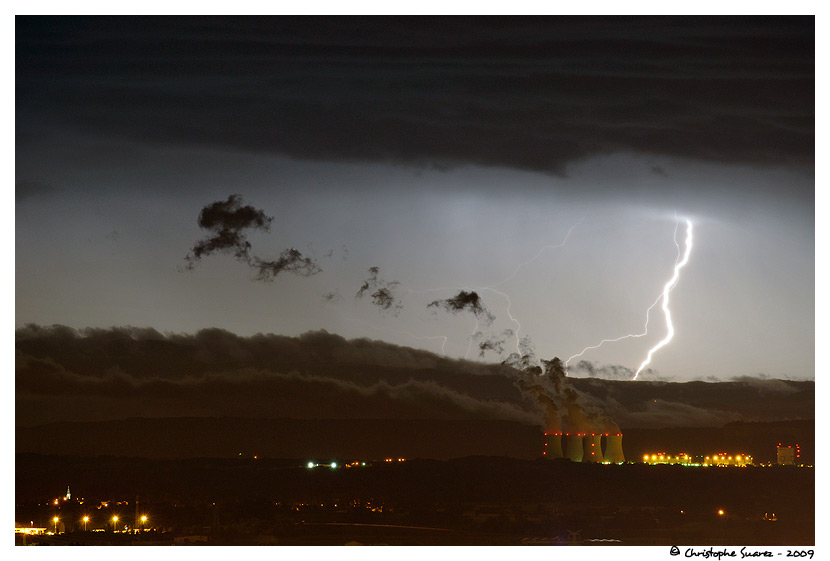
382,292
465,301
228,223
290,260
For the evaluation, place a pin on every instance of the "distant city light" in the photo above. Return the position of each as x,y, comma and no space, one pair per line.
310,465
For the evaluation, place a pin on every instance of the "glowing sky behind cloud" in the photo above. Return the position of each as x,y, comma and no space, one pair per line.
445,164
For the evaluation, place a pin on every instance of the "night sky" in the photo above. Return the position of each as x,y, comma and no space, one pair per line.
468,187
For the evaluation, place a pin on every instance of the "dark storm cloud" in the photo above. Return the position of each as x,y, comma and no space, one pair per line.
228,222
214,372
606,371
382,292
589,369
529,93
465,301
650,404
66,374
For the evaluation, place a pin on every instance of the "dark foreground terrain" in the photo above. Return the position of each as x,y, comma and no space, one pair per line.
206,437
473,500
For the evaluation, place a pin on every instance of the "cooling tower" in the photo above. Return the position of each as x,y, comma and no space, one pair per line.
573,447
592,448
613,448
553,448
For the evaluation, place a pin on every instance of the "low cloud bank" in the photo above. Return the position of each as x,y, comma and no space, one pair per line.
63,374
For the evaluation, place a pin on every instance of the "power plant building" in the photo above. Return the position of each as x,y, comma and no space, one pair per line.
553,445
591,448
573,447
584,447
717,460
787,455
613,449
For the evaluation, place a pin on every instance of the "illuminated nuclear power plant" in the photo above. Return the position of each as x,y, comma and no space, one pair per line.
721,459
788,455
584,447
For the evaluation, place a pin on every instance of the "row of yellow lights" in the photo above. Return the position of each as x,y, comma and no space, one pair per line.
85,520
715,457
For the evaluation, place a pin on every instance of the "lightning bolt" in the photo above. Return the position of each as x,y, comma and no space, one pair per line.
628,336
648,310
666,291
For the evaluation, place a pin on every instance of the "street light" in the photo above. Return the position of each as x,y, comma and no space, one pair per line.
86,519
55,519
114,522
143,520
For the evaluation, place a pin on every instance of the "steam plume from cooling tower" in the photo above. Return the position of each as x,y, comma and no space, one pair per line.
565,409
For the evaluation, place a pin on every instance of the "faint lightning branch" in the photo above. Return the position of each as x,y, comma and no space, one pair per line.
514,320
515,272
539,253
666,290
506,297
470,340
648,311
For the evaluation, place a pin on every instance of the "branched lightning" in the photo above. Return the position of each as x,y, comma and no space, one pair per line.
666,291
648,310
628,336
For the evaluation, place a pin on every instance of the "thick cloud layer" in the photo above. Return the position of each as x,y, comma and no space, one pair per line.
96,374
529,93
